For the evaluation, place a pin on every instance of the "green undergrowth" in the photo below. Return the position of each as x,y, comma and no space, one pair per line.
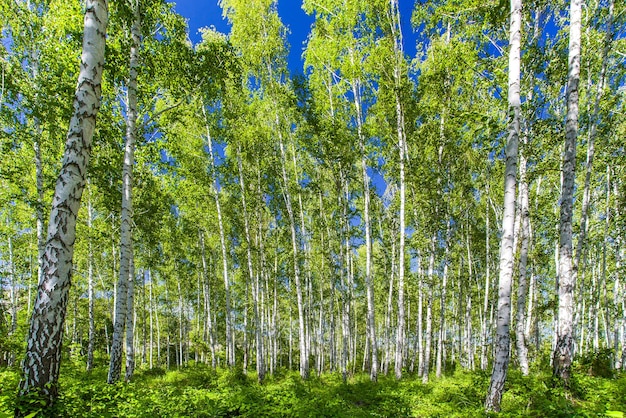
199,391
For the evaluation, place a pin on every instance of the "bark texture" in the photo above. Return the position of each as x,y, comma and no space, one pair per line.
501,363
43,352
562,360
126,218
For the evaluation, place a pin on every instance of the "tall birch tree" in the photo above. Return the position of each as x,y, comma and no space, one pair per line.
43,353
563,353
501,363
126,276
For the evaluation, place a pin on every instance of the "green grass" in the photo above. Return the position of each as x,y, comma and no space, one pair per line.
199,391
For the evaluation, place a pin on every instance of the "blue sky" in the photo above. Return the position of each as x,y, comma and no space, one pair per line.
206,13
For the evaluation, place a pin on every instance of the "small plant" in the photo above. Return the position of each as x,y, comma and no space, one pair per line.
598,363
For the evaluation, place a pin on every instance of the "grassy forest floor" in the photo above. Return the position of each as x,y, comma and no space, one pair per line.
199,391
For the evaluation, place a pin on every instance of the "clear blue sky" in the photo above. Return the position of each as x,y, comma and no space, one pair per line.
206,13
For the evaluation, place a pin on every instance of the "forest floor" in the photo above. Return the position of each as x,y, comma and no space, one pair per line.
199,391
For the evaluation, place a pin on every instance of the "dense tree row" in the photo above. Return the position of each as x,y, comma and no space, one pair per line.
351,218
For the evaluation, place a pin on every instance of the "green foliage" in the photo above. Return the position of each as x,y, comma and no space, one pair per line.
598,363
200,391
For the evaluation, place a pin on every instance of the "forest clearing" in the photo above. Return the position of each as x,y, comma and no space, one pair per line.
190,226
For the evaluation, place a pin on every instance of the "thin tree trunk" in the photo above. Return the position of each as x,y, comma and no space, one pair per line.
388,312
179,358
151,318
13,298
144,334
92,322
501,364
562,360
255,284
345,274
442,308
126,219
41,243
420,320
468,341
45,336
230,341
429,312
130,320
304,357
396,31
485,312
522,287
207,301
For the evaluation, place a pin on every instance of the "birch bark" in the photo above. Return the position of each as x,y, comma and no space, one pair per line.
522,286
304,357
501,363
230,342
43,351
126,218
562,360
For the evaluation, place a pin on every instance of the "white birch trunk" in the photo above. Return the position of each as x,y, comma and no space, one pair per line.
396,31
429,312
388,312
485,312
151,319
442,306
230,341
304,357
130,320
260,366
90,295
562,360
209,333
45,336
501,363
522,287
126,218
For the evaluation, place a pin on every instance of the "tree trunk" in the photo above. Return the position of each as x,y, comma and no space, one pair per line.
442,306
251,277
92,322
151,319
388,312
41,243
126,220
562,360
485,312
396,31
304,358
522,287
501,364
208,329
179,358
429,311
469,335
230,341
13,298
45,336
130,320
420,319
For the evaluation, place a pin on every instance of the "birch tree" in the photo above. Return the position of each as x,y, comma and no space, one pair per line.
43,354
501,363
563,353
123,309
